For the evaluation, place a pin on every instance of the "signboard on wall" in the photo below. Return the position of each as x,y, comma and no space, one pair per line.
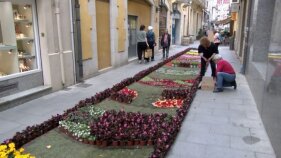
1,38
235,7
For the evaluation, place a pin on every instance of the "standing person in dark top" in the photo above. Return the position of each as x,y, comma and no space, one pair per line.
142,43
165,43
207,51
151,40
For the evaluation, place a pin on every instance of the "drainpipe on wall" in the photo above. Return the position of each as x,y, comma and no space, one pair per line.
72,41
247,33
57,12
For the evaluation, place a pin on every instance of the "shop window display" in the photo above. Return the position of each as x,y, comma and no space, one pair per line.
17,46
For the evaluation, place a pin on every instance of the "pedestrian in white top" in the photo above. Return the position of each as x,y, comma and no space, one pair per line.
217,40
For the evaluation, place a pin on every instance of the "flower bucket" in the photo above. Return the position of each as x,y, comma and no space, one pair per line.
149,142
122,143
130,143
143,143
98,143
137,142
115,143
104,143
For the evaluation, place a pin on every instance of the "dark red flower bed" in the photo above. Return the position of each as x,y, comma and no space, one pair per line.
120,126
164,83
168,103
175,93
124,96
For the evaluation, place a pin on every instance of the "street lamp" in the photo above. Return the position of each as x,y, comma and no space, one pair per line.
175,6
162,3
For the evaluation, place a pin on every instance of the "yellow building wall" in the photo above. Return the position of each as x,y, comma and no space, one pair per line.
86,28
235,17
142,10
103,33
121,25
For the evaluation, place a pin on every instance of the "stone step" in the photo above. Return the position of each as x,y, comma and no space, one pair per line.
24,96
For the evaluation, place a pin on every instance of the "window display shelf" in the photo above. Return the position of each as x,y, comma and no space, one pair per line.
24,38
2,74
22,57
7,47
17,38
22,21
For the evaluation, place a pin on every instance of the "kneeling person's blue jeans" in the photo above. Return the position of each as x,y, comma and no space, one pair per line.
222,76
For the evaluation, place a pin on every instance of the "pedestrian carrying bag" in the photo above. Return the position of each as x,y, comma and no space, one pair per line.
148,53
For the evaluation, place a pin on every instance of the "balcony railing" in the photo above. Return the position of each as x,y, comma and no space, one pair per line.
199,2
183,1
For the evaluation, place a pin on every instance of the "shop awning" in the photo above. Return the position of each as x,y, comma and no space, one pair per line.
224,21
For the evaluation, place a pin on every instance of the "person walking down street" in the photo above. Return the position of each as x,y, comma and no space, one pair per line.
225,73
217,39
165,43
141,43
207,50
151,40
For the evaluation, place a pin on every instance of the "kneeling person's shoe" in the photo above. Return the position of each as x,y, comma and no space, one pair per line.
217,90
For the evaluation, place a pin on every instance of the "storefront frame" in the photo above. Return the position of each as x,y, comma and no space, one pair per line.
36,41
18,82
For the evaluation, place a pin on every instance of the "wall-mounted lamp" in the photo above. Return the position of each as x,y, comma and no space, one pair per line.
28,25
175,6
162,3
29,42
10,51
157,9
27,6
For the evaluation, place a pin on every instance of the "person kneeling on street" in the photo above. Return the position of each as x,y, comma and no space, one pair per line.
225,74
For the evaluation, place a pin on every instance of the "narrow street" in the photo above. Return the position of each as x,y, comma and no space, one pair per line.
126,78
219,125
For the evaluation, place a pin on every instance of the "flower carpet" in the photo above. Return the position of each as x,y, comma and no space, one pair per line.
139,117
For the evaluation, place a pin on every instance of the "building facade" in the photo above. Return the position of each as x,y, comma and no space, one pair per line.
46,46
28,50
259,47
187,19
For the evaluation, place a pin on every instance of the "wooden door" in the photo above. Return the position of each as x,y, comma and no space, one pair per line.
86,29
103,33
132,34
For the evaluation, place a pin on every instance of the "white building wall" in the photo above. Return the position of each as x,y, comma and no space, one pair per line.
48,30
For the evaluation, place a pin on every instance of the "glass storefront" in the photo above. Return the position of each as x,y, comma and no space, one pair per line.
264,78
18,44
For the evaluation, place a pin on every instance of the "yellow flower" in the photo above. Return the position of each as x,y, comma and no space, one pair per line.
11,145
3,147
9,150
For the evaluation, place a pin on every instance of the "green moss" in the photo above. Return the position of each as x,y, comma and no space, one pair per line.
143,103
171,77
63,146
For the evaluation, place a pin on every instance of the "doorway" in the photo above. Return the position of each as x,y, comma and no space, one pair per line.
103,33
175,31
162,21
132,35
77,40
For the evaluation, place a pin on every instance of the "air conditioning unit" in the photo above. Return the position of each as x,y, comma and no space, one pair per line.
235,1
